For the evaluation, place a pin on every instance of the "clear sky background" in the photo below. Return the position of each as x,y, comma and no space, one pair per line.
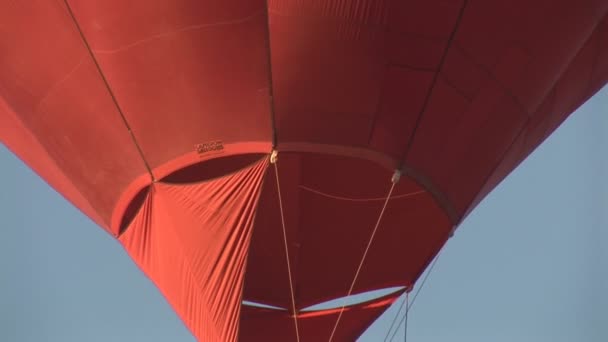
530,264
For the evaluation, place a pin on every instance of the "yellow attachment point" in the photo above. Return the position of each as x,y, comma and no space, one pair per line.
396,176
274,156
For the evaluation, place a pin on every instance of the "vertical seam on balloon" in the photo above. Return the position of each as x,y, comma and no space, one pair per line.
376,113
111,93
383,85
273,124
434,81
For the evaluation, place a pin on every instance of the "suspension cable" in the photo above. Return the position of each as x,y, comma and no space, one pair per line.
407,301
408,305
388,332
273,160
394,180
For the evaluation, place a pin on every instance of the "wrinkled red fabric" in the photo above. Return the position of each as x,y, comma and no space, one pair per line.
109,100
192,240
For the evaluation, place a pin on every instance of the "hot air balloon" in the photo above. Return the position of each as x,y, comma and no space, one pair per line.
285,152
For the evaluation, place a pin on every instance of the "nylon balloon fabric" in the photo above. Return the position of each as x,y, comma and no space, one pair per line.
140,112
193,241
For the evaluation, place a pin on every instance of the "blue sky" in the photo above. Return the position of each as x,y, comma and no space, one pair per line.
530,263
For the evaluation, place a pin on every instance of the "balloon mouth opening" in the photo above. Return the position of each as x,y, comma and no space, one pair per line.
369,299
262,305
201,171
355,299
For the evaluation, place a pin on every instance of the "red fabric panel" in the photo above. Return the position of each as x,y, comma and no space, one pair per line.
185,72
258,324
338,65
24,144
588,70
56,113
599,76
526,46
343,73
493,82
327,69
391,128
331,205
361,74
192,241
377,80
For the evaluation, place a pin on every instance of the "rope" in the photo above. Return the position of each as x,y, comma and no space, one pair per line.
409,305
407,300
273,160
388,332
369,243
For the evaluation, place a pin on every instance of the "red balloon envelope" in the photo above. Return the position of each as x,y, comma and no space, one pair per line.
157,118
